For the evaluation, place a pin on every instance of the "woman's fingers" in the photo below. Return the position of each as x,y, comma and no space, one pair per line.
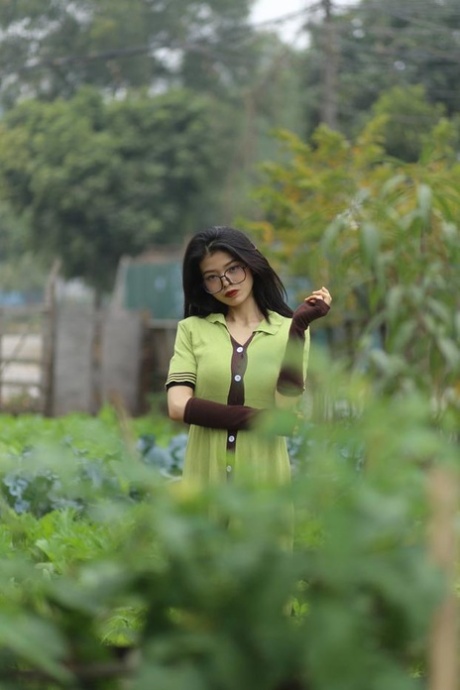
322,293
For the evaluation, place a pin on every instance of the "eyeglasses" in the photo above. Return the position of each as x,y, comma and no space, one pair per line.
214,283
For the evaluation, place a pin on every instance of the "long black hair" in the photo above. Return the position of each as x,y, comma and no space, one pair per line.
268,289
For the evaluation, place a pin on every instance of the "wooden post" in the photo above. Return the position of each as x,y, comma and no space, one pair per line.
442,489
49,339
96,358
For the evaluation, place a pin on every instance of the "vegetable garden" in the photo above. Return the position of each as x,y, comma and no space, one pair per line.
115,576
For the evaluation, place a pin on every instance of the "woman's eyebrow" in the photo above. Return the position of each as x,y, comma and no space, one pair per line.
215,270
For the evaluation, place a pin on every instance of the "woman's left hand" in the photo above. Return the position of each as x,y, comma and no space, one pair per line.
323,293
313,307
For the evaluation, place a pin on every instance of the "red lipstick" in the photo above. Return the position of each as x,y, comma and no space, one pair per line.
231,293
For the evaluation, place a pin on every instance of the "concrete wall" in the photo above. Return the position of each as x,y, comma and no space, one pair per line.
121,358
73,359
97,358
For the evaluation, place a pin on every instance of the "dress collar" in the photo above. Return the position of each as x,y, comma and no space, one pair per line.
264,326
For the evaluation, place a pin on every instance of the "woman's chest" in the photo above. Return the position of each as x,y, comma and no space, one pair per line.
256,362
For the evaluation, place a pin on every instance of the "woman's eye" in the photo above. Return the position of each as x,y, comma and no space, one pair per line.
233,269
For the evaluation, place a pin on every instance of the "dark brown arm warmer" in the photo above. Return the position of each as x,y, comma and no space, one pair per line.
217,416
290,381
239,417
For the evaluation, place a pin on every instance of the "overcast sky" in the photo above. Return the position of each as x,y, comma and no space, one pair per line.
270,9
266,10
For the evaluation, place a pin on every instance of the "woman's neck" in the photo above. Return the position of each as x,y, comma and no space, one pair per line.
247,314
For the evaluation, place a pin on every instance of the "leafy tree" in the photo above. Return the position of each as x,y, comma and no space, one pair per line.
383,45
20,270
385,236
49,51
406,121
52,49
98,179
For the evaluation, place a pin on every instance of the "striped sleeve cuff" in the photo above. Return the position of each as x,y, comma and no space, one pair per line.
184,378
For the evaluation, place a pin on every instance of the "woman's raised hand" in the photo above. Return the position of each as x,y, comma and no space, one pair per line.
322,293
314,307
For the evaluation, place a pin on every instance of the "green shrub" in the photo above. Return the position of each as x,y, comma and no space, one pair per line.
203,586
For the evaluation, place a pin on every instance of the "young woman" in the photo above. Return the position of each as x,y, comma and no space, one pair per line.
240,352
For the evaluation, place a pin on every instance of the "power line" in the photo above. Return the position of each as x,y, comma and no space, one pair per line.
133,51
136,50
276,21
428,23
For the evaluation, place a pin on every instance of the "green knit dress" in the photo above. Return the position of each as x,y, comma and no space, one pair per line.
224,371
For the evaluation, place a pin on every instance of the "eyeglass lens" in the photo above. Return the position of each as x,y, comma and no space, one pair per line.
234,275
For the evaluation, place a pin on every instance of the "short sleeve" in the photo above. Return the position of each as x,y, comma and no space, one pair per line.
182,367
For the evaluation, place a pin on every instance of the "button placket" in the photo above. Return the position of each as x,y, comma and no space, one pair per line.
236,391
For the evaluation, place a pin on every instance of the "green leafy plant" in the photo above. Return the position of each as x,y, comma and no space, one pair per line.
223,589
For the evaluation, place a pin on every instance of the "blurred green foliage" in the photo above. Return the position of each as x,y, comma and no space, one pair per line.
117,191
384,236
155,584
115,45
407,120
134,124
385,47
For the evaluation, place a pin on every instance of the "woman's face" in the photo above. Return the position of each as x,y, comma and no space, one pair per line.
226,278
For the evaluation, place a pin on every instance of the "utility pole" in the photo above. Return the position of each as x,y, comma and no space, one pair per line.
330,67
